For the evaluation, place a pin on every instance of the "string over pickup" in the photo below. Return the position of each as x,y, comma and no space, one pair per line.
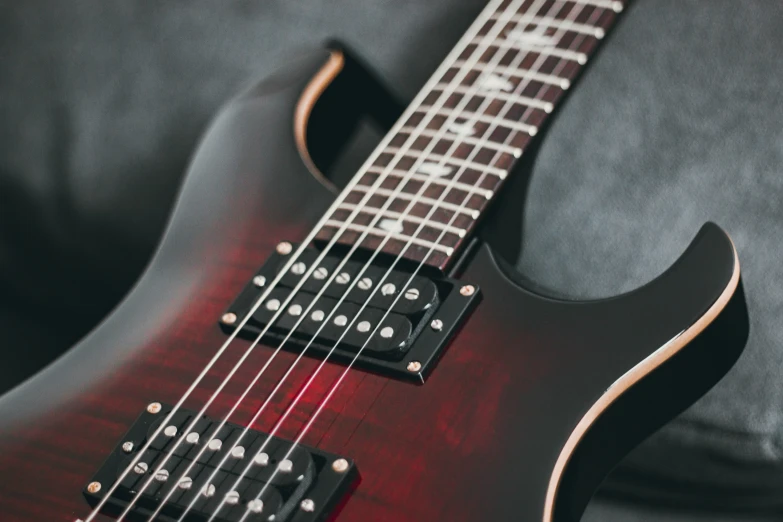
391,320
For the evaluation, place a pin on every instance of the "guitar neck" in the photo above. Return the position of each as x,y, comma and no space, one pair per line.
426,186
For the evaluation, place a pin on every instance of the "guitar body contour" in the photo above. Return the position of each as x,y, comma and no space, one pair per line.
529,408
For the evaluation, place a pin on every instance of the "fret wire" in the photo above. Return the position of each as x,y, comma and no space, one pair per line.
428,133
503,96
417,103
410,218
532,130
393,235
613,5
554,23
548,50
464,187
422,199
458,162
563,83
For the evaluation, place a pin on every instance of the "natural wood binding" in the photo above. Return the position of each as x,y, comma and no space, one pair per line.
633,376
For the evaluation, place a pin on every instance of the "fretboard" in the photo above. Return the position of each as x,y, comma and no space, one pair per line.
424,189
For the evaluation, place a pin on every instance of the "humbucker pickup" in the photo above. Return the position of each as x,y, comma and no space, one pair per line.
398,322
302,486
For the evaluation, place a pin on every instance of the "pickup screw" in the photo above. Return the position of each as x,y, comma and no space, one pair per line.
299,268
154,407
285,466
229,318
185,483
284,248
436,325
162,475
467,290
273,305
387,332
307,505
127,447
232,497
170,431
414,366
259,281
365,283
141,468
388,289
255,506
343,278
364,326
94,487
320,273
411,294
340,465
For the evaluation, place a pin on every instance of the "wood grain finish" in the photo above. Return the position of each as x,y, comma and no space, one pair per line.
483,439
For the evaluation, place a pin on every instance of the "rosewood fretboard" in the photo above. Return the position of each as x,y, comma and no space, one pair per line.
433,176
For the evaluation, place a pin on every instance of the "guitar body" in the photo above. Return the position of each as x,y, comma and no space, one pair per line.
528,409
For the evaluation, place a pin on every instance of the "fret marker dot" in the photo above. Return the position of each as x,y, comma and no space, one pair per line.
391,225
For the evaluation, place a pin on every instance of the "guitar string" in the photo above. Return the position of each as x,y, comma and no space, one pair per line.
262,298
324,322
306,386
469,35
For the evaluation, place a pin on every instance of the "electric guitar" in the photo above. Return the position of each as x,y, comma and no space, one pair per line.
295,352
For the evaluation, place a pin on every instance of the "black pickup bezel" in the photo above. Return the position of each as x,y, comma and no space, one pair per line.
328,490
426,348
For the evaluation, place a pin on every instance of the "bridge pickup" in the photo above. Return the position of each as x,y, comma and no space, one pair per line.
303,487
398,323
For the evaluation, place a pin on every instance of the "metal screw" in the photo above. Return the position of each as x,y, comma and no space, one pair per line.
365,283
229,318
259,281
307,505
299,268
140,468
411,294
414,366
363,326
436,325
162,475
284,248
209,490
94,487
185,483
127,447
467,290
388,289
343,278
262,459
387,332
320,273
238,452
232,497
154,407
340,465
255,506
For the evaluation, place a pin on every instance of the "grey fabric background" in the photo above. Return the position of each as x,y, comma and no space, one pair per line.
677,122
